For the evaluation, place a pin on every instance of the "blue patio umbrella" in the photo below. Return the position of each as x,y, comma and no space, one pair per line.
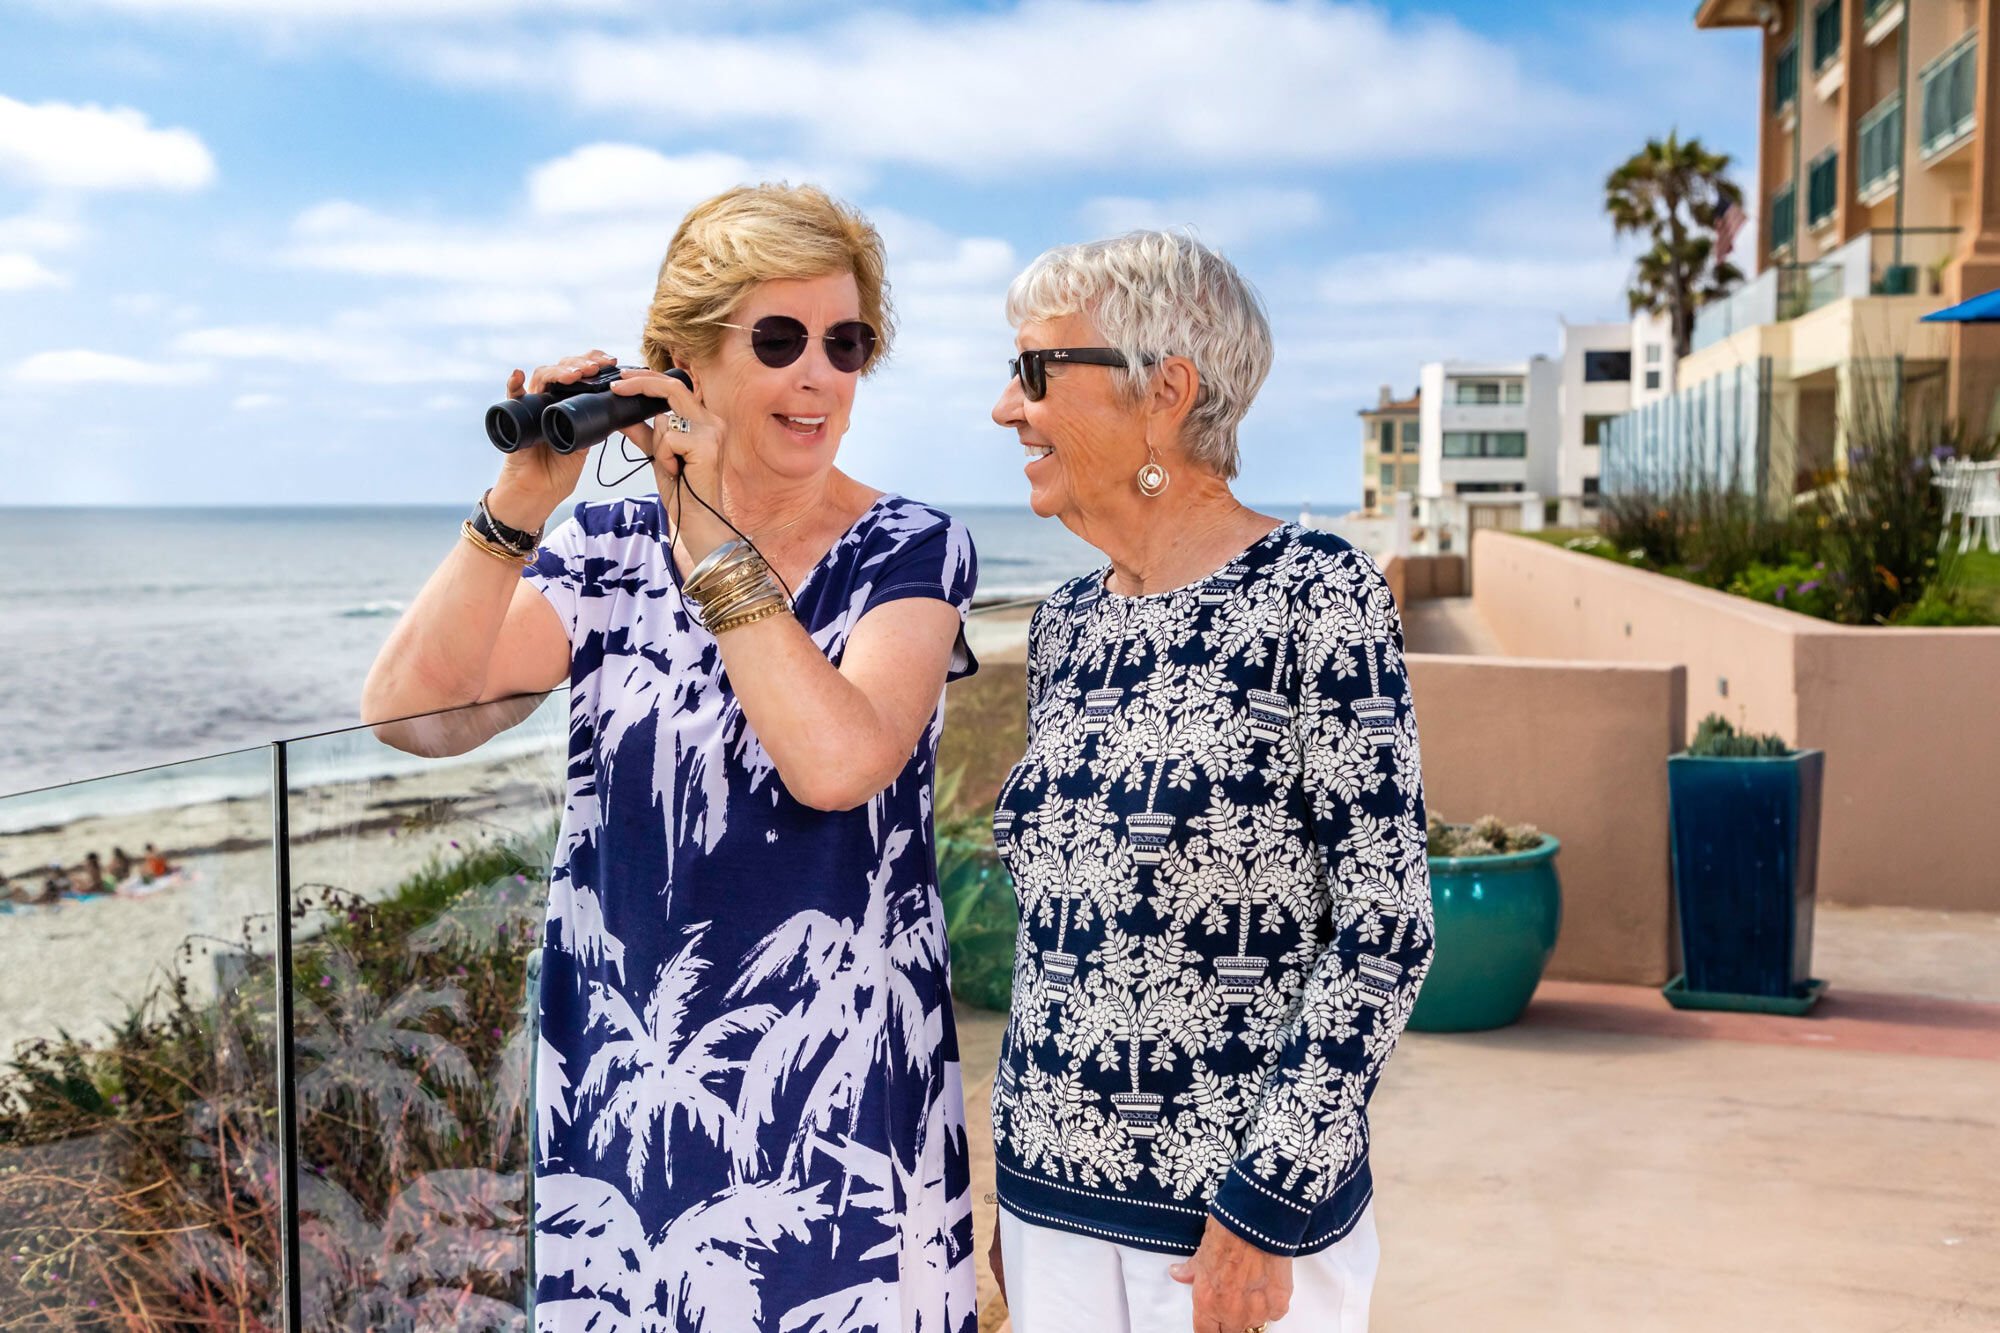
1979,310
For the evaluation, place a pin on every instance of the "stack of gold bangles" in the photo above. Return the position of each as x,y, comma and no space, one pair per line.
732,587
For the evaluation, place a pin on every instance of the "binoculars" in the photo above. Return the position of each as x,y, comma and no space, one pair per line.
569,417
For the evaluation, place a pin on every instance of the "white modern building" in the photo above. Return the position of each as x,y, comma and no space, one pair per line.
1607,370
1485,436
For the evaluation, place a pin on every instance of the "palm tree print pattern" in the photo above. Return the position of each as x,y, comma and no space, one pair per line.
748,1109
1197,1024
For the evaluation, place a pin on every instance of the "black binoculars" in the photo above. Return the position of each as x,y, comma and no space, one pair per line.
569,417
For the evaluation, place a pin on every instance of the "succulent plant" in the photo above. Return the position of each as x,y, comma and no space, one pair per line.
1485,836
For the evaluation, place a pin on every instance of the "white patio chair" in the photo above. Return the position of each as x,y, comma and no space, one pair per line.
1982,506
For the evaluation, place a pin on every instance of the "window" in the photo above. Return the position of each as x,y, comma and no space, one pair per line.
1826,34
1652,379
1879,154
1485,444
1652,354
1409,434
1784,218
1385,434
1948,88
1607,367
1388,476
1487,488
1593,427
1511,393
1822,187
1590,493
1477,392
1785,76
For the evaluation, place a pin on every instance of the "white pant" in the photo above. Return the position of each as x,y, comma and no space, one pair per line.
1059,1282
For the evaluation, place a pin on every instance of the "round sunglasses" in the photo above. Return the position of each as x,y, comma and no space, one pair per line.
1031,367
779,340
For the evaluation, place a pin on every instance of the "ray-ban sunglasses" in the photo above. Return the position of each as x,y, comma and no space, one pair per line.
779,340
1031,367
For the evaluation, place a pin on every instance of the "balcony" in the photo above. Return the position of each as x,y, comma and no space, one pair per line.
1881,151
1948,84
1876,263
1879,18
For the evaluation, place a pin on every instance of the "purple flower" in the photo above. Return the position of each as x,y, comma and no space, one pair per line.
454,844
324,982
1819,564
1782,590
1808,585
1944,451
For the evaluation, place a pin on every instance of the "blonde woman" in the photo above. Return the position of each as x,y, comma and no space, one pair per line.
749,1106
1216,834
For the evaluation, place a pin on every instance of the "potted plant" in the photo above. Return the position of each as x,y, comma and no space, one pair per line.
1744,812
1498,905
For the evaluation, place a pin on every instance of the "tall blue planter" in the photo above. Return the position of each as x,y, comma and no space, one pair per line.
1746,866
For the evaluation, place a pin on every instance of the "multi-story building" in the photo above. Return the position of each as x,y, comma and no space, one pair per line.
1877,199
1485,433
1606,371
1388,450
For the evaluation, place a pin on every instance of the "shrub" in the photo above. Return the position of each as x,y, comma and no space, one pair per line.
1794,585
1715,738
1484,836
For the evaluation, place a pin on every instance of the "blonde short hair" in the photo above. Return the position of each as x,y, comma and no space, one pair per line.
1155,294
755,233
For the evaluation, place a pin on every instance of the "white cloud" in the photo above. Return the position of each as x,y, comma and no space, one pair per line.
287,12
60,146
365,356
1226,218
46,228
1050,85
19,273
1475,281
630,178
255,402
83,366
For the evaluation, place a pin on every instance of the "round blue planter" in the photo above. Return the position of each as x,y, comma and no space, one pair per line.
1497,921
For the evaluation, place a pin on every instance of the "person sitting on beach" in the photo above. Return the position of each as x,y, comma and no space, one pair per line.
157,865
756,659
93,880
54,885
1217,836
121,865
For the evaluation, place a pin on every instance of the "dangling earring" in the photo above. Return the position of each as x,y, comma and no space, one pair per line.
1152,477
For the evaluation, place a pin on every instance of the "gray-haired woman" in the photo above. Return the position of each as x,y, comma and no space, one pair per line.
1216,835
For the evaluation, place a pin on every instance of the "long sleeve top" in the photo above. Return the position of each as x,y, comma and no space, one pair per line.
1217,839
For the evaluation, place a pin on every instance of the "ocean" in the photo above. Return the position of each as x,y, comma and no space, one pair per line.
137,637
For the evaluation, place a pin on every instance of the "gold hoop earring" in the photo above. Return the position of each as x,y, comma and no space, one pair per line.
1152,477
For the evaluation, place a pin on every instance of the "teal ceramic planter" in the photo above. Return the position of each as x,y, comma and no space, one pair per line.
1497,921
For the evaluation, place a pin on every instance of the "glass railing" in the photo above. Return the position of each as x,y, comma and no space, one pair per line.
1875,9
1880,151
1949,83
1822,187
268,1019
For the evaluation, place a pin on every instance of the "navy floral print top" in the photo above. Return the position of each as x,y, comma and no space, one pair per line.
1217,838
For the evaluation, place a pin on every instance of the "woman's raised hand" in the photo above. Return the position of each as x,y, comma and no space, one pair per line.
693,456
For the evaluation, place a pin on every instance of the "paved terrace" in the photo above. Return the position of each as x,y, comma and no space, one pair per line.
1613,1164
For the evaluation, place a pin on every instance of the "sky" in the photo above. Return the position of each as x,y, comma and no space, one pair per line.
286,251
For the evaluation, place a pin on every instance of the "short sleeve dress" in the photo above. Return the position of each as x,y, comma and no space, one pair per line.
748,1107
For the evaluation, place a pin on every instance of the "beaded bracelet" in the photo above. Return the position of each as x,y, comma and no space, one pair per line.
494,549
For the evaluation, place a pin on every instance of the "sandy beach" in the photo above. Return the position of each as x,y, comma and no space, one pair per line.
80,964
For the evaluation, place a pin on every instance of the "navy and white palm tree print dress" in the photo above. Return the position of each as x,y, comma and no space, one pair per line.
749,1112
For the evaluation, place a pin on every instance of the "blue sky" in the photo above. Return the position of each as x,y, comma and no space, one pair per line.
284,251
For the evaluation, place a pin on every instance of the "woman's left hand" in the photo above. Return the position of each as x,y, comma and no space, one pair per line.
693,456
1236,1285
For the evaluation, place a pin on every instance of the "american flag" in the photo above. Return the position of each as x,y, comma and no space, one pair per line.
1727,223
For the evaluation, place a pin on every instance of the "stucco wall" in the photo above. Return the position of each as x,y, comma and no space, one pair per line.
1579,750
1909,718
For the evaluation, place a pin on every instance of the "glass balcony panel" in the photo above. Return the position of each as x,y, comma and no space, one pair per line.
1948,84
139,1157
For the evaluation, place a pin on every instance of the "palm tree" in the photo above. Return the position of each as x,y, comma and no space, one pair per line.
663,1070
709,1259
1674,193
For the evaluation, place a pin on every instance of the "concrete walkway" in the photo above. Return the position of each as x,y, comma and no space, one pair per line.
1613,1164
1447,625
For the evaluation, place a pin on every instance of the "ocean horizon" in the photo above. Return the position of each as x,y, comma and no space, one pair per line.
137,636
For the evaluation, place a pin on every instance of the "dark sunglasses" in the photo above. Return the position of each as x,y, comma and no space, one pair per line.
1032,366
779,340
